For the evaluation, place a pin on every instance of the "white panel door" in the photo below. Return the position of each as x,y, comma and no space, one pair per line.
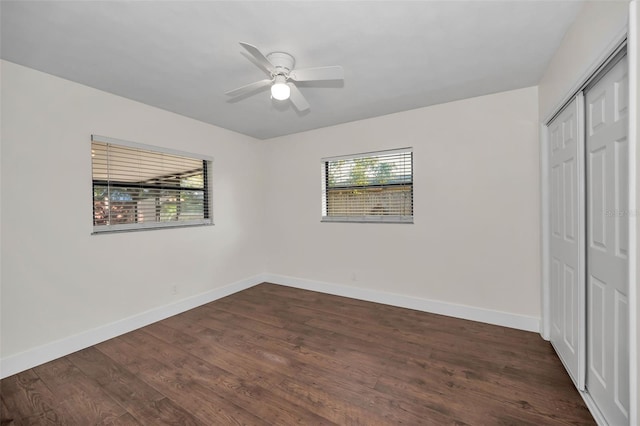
567,241
607,249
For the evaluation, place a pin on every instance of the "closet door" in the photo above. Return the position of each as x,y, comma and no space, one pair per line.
607,249
567,240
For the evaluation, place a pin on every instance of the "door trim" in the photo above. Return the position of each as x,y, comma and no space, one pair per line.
582,238
545,227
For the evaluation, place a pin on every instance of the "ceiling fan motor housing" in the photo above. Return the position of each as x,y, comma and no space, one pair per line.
283,77
283,62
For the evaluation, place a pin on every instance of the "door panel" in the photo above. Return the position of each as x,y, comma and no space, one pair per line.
570,186
567,242
622,197
597,188
621,348
597,312
570,286
607,252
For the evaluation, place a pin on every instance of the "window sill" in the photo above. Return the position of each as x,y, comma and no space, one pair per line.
147,228
335,219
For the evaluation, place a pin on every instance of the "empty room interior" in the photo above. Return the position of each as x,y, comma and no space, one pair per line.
319,212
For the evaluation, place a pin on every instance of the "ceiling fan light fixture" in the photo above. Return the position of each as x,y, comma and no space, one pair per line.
280,67
280,90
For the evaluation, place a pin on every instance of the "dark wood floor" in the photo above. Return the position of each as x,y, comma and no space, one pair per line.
274,355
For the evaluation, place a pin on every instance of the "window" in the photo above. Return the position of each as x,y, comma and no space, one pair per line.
136,187
371,187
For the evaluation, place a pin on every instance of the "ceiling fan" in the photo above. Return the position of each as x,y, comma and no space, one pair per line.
282,75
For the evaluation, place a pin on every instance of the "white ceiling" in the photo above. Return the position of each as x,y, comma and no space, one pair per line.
183,55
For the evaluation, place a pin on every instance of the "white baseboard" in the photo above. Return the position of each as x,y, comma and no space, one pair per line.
505,319
23,361
31,358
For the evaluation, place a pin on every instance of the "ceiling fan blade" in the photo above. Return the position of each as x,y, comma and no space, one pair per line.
259,57
248,88
320,73
297,99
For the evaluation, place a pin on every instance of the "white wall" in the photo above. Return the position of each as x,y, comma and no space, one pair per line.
598,25
476,235
57,279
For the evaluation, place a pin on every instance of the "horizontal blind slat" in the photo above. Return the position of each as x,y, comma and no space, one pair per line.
370,185
137,187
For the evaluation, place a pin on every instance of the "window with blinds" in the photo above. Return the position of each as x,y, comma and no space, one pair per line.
371,187
136,187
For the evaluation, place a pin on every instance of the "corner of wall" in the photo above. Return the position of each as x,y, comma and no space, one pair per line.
39,355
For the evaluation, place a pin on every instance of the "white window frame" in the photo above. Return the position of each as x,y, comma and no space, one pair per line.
404,219
105,229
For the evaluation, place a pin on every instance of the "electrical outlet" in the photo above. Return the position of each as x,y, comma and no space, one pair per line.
354,277
174,289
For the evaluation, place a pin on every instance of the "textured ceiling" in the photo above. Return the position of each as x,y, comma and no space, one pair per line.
182,55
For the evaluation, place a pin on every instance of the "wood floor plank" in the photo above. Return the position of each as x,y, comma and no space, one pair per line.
169,379
398,318
164,412
277,355
502,390
124,420
217,380
120,383
287,346
343,391
48,418
144,402
334,346
74,389
5,417
25,395
374,330
279,411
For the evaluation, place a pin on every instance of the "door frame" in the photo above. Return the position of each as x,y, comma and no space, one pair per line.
628,37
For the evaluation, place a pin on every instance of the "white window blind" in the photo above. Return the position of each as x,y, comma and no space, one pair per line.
369,187
136,187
